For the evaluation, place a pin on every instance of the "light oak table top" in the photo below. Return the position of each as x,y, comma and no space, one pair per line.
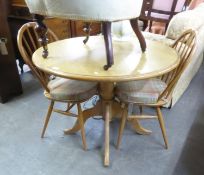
71,58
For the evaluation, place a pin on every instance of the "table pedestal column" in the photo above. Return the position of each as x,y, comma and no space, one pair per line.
107,96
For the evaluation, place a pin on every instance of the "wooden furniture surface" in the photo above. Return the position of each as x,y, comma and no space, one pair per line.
66,29
18,3
74,59
10,83
78,28
71,58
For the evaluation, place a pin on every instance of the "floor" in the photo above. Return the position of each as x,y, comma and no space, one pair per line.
23,152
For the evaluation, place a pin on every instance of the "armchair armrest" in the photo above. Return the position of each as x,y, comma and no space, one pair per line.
190,19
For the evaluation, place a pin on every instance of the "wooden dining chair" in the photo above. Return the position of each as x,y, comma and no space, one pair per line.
56,89
155,92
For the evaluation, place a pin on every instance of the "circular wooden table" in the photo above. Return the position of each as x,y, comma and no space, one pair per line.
71,58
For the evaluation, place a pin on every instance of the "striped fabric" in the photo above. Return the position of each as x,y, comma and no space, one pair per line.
141,91
73,90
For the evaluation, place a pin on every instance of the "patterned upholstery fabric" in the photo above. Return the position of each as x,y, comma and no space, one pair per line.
106,10
74,90
141,91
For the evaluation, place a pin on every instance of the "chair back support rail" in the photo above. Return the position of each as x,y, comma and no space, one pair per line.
28,42
184,45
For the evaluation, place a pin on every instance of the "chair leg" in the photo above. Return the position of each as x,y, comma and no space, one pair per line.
68,105
81,123
122,125
108,44
150,26
162,126
41,29
135,27
49,112
141,110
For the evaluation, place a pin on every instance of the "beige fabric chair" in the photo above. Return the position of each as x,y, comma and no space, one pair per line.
57,89
155,92
105,11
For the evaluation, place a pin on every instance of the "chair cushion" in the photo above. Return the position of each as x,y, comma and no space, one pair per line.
71,90
141,91
106,10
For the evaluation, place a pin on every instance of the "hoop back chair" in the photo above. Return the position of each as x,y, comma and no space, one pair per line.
105,11
160,10
57,89
155,92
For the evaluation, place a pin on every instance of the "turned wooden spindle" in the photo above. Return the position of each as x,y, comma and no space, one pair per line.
87,30
41,29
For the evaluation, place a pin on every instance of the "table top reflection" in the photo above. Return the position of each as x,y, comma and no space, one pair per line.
71,58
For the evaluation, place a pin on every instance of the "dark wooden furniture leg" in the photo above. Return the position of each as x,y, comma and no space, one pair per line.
108,44
41,29
135,27
21,63
87,30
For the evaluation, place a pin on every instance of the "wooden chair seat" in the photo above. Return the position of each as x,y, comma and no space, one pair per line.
142,91
71,90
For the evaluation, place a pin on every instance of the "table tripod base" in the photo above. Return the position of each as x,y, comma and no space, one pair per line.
109,109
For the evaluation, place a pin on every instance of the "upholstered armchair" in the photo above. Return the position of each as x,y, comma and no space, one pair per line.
105,11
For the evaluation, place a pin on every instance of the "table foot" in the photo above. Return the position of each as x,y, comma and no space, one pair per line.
117,111
138,128
88,113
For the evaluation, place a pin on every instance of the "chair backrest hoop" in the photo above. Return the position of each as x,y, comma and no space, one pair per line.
27,41
185,46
